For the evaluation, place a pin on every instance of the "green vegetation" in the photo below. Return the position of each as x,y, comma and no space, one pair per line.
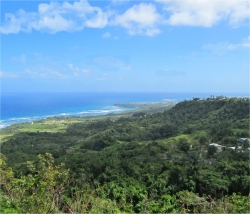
139,162
60,124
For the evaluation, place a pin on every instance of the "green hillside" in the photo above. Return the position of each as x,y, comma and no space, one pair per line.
145,162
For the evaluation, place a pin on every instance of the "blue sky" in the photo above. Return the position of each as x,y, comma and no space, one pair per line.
125,46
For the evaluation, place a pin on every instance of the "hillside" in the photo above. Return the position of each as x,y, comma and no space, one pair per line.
158,157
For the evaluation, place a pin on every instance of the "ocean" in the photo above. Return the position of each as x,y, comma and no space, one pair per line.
27,107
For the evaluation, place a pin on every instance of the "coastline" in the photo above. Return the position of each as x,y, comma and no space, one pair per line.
59,123
28,107
103,110
17,108
84,113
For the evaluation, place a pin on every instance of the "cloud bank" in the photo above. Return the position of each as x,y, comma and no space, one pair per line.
140,18
205,13
55,17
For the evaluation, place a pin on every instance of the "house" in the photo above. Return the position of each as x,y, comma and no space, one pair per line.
241,140
214,144
233,148
218,146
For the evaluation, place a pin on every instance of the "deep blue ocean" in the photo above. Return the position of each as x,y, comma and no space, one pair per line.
27,107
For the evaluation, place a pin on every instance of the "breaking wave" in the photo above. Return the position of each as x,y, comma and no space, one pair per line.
92,112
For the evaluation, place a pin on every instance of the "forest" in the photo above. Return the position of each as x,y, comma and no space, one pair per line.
192,158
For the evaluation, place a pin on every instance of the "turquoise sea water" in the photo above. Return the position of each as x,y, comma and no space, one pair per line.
27,107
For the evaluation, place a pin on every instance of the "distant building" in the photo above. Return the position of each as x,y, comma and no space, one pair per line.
218,146
241,140
232,147
214,144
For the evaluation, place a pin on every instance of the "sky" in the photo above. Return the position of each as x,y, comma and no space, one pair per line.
125,46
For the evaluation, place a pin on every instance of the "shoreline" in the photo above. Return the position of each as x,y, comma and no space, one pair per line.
60,122
18,109
84,113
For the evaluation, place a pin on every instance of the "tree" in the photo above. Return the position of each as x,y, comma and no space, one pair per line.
246,144
165,204
184,145
40,191
7,191
191,202
203,140
211,151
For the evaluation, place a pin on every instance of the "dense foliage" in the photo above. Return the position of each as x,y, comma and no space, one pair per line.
155,163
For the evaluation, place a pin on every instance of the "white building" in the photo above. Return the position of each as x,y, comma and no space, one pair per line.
218,146
241,140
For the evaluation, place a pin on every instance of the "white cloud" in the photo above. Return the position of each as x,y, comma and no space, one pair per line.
33,73
4,74
111,63
120,1
106,35
41,72
79,72
139,19
206,13
245,43
222,48
20,59
55,17
51,73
